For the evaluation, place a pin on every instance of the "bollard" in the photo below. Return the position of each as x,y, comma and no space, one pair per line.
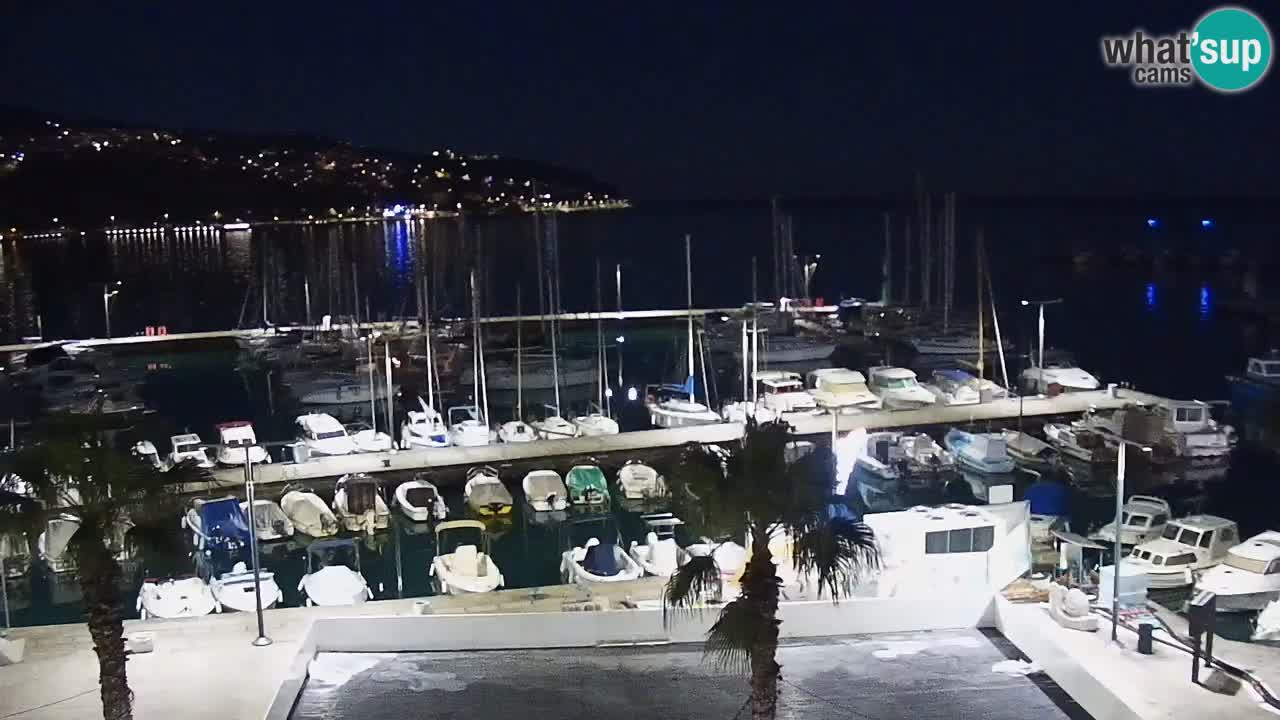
1145,644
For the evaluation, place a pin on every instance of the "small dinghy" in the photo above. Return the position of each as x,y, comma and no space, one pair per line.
235,589
333,574
462,563
217,525
587,485
659,557
545,491
485,493
368,439
641,482
598,562
358,504
175,598
424,428
238,442
269,521
308,512
420,500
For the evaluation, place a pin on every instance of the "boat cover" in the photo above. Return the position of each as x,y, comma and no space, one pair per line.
601,560
223,522
361,495
587,484
1049,498
423,497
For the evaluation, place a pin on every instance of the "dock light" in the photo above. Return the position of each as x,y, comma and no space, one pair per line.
1206,223
1153,222
631,394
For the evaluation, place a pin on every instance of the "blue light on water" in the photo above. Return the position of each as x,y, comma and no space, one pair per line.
1206,300
1206,223
398,209
1151,296
1153,222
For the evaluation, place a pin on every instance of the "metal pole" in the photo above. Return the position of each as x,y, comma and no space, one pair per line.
1115,581
688,269
618,280
106,308
1041,387
262,640
306,293
746,357
391,414
4,592
373,392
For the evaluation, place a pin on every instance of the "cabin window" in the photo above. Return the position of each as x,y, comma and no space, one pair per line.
1183,559
1228,535
1271,368
1157,560
1160,519
1250,565
966,540
331,434
1206,539
983,538
1189,537
1137,520
961,541
1170,532
1274,569
1188,414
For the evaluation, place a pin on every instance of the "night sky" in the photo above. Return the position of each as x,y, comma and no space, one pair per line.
688,99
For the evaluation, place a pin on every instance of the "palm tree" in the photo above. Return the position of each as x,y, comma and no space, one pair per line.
755,491
74,468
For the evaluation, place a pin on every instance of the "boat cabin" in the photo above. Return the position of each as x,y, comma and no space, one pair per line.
892,378
320,426
187,446
1187,416
238,433
1259,554
1196,542
782,391
1266,368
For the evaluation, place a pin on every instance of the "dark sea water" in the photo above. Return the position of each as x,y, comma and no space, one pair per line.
1166,326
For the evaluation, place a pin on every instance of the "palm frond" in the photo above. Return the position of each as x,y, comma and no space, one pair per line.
694,582
838,551
731,639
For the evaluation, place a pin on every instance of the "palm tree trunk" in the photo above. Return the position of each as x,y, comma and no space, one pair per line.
762,576
100,581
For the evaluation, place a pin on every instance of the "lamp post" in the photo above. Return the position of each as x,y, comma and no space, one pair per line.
107,294
1115,581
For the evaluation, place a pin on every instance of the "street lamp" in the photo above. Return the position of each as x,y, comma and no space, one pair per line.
1040,389
1115,581
107,294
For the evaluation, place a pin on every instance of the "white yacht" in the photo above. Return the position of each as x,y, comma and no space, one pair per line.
1186,545
424,428
235,437
841,389
1063,374
1143,518
189,448
466,429
323,435
899,388
1249,576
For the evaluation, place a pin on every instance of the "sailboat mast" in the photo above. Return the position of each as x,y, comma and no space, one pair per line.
519,358
475,344
977,264
995,316
688,270
886,272
426,336
600,379
555,362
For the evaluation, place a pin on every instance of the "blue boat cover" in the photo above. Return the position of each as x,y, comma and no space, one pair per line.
1049,498
957,375
224,523
600,560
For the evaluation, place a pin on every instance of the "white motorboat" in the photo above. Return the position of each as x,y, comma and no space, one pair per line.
466,428
237,438
545,491
1186,545
424,428
954,387
1249,576
638,481
175,598
358,504
235,589
842,389
308,513
1063,374
598,562
217,524
657,557
792,349
269,520
729,556
516,431
485,493
892,455
595,424
1142,518
462,567
1081,444
420,500
188,447
1029,451
898,388
783,392
368,439
979,452
323,435
333,574
145,450
669,410
554,427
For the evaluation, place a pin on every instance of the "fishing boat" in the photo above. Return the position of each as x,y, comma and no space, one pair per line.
638,481
1029,451
1081,444
461,567
598,558
424,428
1185,546
979,452
782,392
235,589
308,513
1142,518
545,491
239,442
842,389
175,598
1196,434
1249,577
898,388
467,428
333,575
420,500
1262,371
188,447
485,494
269,520
217,525
676,406
323,435
358,504
587,485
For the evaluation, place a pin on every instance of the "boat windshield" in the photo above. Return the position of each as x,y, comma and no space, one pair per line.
187,447
1136,519
1171,531
1252,565
898,383
783,387
331,434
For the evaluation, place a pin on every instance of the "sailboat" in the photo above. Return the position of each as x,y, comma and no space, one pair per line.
675,410
517,430
598,422
552,426
425,428
469,424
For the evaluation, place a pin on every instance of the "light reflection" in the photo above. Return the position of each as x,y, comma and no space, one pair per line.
1151,296
1206,301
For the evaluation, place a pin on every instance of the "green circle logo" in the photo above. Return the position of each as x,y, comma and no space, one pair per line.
1231,49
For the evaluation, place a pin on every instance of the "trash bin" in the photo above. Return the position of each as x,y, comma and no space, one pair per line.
1145,630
